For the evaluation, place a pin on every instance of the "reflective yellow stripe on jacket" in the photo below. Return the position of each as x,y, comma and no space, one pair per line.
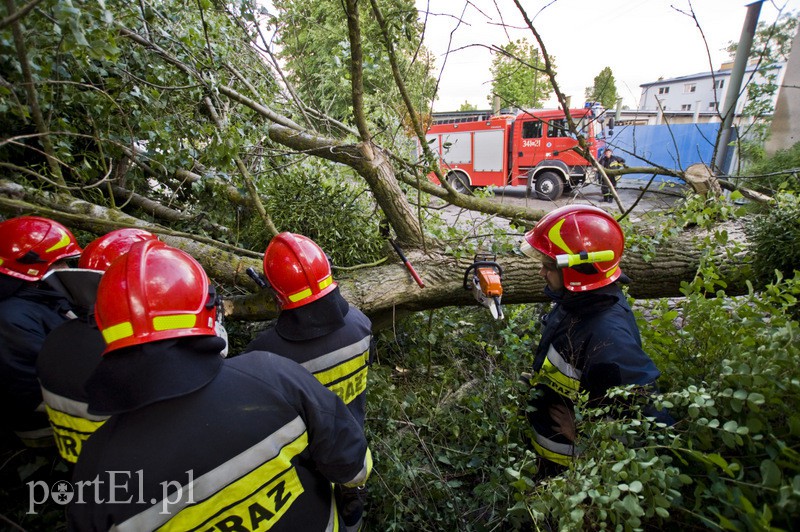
72,423
251,491
559,375
563,378
343,371
559,453
71,432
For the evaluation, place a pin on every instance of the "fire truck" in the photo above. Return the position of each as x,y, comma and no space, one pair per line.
532,148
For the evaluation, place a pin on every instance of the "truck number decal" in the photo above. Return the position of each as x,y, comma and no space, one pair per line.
531,143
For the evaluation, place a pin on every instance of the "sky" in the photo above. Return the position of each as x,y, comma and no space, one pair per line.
641,40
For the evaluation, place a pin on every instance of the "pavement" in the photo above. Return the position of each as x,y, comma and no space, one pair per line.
632,192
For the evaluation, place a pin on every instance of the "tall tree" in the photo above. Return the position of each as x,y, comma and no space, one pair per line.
518,76
604,89
315,48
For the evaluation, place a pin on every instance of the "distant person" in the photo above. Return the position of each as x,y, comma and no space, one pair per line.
590,341
196,441
318,329
30,247
611,162
72,350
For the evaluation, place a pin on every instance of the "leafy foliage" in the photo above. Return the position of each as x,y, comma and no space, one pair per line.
325,202
518,77
117,111
781,171
442,418
317,54
776,239
729,376
604,89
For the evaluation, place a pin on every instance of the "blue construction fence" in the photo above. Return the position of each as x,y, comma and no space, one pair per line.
672,146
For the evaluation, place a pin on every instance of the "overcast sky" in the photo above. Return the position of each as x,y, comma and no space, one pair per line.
641,40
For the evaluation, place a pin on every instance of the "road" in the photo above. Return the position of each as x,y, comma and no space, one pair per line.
658,197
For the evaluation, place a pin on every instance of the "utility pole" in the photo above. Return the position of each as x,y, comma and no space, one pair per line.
735,83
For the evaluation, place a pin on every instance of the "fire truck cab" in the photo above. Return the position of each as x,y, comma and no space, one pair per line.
532,148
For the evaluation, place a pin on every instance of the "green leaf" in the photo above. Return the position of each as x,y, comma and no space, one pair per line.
632,506
730,426
770,474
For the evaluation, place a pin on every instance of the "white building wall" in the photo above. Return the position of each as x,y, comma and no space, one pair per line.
684,93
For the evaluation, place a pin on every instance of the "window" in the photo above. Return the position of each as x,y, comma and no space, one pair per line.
531,129
690,87
663,90
713,106
686,107
558,128
719,83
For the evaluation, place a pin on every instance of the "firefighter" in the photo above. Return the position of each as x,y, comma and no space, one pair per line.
72,351
30,247
590,340
194,440
612,162
320,330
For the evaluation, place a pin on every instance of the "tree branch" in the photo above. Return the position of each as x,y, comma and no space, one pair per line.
30,89
246,177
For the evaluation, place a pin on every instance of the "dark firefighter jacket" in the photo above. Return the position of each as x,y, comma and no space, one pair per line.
69,355
612,162
27,315
332,340
198,442
590,343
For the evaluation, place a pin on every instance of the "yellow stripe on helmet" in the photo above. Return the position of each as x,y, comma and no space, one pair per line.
175,321
294,298
118,332
554,234
326,282
64,242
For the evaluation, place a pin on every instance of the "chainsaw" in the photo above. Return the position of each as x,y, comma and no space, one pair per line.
484,277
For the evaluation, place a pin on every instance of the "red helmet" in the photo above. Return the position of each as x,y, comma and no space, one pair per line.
151,293
101,252
585,241
297,269
29,245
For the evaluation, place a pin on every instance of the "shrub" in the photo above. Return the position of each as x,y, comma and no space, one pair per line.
775,235
780,171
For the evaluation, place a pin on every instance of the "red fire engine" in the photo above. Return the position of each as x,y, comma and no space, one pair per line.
532,148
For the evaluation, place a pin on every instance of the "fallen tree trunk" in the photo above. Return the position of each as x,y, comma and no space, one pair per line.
383,290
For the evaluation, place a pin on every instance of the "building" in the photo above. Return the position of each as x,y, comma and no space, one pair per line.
696,98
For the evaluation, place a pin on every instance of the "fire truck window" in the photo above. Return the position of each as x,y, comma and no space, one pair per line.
558,128
531,129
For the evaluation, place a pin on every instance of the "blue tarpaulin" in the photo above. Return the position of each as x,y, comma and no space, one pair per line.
675,146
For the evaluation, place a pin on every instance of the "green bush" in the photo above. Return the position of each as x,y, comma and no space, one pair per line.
780,171
324,203
731,462
775,235
450,449
442,419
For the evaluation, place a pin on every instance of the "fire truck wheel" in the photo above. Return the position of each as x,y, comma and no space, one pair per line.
459,182
548,186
